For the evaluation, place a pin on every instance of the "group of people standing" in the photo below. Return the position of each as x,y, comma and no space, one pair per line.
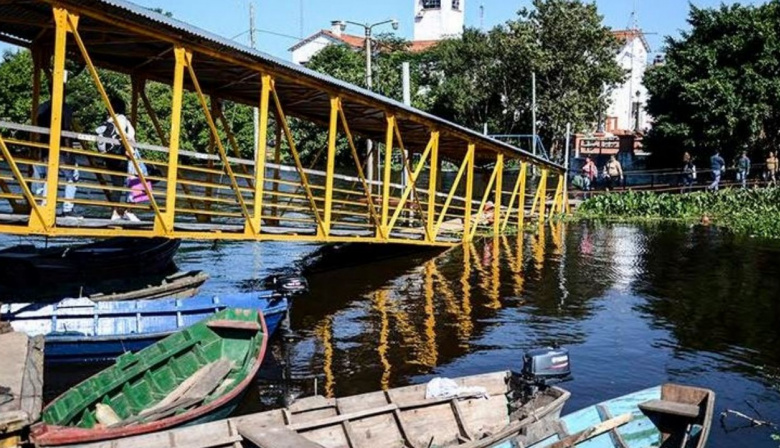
742,166
125,172
611,174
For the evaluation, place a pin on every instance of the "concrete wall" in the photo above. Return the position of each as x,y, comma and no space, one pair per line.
306,51
438,23
633,59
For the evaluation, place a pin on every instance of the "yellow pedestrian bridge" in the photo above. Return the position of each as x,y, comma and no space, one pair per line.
455,183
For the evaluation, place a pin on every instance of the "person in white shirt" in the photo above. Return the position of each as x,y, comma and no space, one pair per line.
108,130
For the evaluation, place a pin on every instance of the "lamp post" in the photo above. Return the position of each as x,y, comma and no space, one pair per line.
368,28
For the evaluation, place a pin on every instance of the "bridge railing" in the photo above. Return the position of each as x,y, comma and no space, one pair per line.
216,193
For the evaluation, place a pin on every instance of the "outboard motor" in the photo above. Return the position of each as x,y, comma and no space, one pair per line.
544,367
289,285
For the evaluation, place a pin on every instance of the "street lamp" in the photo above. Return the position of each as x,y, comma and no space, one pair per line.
368,28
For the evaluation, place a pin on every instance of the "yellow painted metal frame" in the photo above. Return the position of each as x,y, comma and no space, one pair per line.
382,219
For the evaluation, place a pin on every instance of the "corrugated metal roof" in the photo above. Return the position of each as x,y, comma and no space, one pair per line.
307,87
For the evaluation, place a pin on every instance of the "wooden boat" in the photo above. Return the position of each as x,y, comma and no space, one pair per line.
177,286
668,416
194,375
81,330
396,418
110,258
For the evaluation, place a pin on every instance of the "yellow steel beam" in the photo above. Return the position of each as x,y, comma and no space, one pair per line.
451,194
512,198
499,192
361,174
412,185
217,105
73,23
220,147
469,193
406,165
182,60
262,148
488,189
330,160
23,185
296,157
432,178
386,180
49,209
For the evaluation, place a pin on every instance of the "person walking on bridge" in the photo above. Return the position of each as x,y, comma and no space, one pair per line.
743,169
689,172
718,166
613,173
771,170
589,173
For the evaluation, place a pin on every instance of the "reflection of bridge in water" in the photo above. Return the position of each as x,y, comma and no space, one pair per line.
214,193
433,314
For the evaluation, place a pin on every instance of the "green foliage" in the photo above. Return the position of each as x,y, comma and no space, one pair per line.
15,92
753,212
718,88
81,94
486,77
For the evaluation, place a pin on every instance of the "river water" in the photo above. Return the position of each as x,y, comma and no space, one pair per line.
636,305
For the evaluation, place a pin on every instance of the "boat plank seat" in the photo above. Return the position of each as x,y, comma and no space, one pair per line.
275,437
670,408
234,325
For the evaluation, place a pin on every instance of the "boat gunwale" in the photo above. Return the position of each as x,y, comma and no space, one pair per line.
54,435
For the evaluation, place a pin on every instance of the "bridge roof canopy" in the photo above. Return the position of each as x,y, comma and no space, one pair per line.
127,38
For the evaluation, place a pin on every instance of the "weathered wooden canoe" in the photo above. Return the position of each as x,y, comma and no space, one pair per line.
396,418
668,416
176,286
194,375
80,330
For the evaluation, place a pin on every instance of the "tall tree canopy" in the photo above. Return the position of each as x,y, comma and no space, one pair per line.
486,77
719,87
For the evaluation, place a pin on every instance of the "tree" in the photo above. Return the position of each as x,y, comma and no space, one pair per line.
348,65
718,87
486,77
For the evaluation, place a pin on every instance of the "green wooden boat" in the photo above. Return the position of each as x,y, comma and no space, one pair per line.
195,375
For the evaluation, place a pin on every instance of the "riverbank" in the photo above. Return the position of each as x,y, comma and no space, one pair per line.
754,212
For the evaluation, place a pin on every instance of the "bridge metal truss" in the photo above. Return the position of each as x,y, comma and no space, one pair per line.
214,193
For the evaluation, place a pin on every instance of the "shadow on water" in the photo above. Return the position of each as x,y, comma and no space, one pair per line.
637,305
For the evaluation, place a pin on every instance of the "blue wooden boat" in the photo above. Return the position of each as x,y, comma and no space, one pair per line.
668,416
81,330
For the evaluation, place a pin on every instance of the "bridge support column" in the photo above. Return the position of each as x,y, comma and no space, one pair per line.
386,178
432,186
331,165
39,224
167,220
469,193
499,193
262,150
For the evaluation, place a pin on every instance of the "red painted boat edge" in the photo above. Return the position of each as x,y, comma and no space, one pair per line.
47,435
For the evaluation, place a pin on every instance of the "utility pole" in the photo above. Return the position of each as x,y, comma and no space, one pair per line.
369,84
252,44
406,82
533,110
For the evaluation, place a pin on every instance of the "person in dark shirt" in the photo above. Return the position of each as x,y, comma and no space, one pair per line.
743,169
718,165
689,172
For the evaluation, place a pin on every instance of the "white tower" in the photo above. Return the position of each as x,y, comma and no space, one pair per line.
438,19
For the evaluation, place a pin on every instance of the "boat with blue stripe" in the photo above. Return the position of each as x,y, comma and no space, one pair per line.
81,330
667,416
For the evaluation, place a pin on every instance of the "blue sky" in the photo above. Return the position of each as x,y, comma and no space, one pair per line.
281,19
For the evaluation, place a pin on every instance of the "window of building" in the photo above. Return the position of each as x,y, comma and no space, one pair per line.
431,4
636,115
456,4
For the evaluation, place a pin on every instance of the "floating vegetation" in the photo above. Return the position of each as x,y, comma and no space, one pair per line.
752,212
